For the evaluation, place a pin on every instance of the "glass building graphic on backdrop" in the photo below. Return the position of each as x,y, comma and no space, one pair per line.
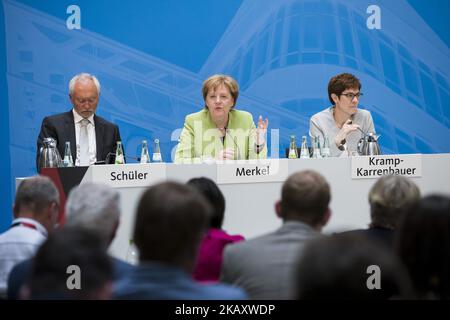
281,52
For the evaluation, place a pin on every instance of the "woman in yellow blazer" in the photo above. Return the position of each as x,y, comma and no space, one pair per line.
219,131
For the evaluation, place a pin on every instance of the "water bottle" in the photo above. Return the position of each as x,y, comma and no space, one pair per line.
293,153
145,157
316,148
67,161
132,254
157,152
119,153
304,153
326,148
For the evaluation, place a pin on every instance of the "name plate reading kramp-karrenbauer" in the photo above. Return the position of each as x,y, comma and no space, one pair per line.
366,167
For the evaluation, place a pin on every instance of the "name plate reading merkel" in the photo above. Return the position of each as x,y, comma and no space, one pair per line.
251,171
366,167
129,175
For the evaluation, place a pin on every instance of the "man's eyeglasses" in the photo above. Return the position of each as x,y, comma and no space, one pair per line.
352,96
83,101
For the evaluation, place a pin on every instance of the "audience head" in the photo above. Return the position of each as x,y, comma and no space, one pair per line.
390,198
212,193
94,206
68,253
423,243
37,198
305,197
170,222
345,266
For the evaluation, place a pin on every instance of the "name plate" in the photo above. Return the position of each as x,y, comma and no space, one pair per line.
251,171
129,175
366,167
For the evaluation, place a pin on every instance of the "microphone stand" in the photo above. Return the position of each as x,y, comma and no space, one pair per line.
108,157
234,141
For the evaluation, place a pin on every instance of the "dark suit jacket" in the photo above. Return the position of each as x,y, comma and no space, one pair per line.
381,235
154,280
62,128
265,266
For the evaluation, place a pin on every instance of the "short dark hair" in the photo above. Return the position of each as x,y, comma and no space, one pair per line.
423,243
211,192
336,267
35,194
342,82
390,198
63,248
305,196
170,222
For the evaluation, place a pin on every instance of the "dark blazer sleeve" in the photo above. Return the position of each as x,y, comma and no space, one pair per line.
59,127
107,135
17,278
116,137
47,130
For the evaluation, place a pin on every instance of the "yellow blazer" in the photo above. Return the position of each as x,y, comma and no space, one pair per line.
200,137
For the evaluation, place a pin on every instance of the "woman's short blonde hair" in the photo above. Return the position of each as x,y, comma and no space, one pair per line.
220,79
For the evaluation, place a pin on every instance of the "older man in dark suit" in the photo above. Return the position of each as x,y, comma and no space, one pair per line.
91,137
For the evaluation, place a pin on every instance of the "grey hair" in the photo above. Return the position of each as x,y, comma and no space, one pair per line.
391,197
94,206
35,194
83,77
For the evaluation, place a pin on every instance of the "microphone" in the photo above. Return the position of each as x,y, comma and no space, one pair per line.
138,159
107,159
234,141
112,155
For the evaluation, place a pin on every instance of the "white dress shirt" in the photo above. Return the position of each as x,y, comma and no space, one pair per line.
17,244
91,134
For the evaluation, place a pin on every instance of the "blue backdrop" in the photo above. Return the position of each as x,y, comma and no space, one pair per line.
152,56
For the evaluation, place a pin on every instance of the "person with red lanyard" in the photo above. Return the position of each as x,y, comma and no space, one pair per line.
35,214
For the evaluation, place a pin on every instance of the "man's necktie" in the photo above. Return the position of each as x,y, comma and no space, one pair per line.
84,143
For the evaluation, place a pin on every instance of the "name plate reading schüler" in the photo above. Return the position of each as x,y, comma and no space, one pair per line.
129,175
251,171
366,167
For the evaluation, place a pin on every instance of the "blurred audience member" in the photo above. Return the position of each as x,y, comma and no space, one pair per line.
348,266
209,260
91,206
96,207
35,214
71,264
264,266
170,223
423,244
390,198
